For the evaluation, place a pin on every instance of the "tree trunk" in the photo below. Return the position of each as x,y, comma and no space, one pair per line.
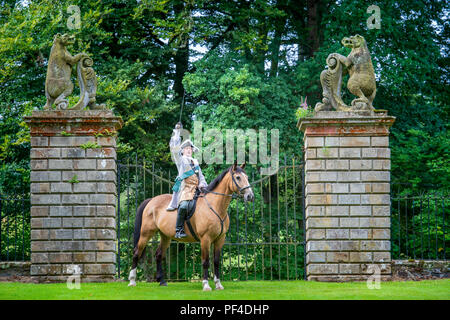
297,9
313,25
275,50
279,23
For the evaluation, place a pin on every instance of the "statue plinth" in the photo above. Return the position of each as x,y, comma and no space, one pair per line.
73,122
334,123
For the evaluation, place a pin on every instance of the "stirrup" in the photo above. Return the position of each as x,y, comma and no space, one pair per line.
169,208
180,234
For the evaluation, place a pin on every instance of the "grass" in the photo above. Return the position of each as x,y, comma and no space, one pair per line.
243,290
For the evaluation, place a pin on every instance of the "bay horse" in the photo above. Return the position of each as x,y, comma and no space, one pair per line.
210,223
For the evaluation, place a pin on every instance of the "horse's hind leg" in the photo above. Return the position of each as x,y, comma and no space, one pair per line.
160,253
137,254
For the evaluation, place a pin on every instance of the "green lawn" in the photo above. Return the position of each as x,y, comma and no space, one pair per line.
244,290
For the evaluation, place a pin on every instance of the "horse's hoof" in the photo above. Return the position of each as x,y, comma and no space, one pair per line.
206,286
219,287
132,284
163,284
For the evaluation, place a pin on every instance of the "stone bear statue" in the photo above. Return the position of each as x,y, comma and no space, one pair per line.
58,84
361,82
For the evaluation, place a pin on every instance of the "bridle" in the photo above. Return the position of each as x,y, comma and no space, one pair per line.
233,195
237,186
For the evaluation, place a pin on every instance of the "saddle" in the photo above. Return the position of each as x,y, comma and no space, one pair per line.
192,204
190,212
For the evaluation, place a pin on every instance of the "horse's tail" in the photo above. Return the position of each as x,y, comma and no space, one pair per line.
138,221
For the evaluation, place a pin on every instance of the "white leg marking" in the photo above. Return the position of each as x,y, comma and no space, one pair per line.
132,278
206,286
218,284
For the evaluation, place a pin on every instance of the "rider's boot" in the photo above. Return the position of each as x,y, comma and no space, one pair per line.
179,231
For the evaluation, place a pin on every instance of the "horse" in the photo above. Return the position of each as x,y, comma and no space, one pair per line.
210,223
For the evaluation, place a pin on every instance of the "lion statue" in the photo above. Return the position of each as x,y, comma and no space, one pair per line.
361,80
58,84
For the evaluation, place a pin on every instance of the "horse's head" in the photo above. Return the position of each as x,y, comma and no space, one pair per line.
239,182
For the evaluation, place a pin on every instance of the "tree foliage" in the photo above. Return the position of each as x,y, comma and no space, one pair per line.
234,64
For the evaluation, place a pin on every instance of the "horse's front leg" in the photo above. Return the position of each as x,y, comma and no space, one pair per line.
205,245
160,253
217,248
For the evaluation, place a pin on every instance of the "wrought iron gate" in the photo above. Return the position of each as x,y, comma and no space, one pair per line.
15,227
266,239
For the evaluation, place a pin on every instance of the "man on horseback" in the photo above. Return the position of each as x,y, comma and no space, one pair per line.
190,179
210,222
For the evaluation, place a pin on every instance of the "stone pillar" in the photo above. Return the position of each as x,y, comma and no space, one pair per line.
347,179
73,194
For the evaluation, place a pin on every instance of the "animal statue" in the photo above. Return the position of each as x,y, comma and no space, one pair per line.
209,223
88,86
58,84
361,80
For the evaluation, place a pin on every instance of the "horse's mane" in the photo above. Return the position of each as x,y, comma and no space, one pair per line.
213,184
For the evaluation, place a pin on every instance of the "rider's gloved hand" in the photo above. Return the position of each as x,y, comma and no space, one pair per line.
177,130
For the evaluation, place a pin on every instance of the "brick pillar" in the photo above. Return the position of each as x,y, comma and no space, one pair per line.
73,194
347,178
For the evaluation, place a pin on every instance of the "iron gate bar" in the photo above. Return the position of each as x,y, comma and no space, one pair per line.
436,226
246,239
262,225
413,232
169,246
285,205
443,221
143,166
421,226
7,238
15,239
1,203
237,234
429,244
406,223
399,228
278,223
270,226
128,206
23,231
136,196
254,229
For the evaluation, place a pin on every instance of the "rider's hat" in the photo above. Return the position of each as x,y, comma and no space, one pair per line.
187,143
